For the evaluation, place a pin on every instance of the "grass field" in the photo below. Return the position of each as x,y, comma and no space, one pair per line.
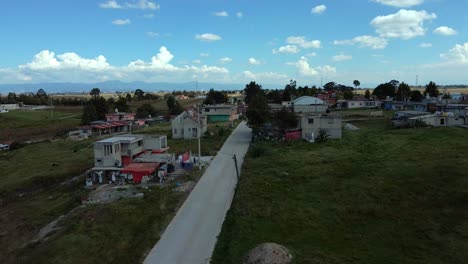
21,125
31,196
375,196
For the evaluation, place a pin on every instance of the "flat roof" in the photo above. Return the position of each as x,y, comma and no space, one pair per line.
120,138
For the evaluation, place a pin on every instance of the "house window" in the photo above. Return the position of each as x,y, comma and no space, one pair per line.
442,121
310,121
331,121
140,142
175,130
194,132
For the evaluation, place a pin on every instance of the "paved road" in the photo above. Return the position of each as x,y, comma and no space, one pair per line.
191,235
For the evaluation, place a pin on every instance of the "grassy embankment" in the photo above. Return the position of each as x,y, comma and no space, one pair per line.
122,232
375,196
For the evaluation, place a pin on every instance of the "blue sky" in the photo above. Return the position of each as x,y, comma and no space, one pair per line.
224,41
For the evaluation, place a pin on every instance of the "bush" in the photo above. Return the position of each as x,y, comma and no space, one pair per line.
322,136
257,151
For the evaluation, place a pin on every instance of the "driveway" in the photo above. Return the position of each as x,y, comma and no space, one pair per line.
192,234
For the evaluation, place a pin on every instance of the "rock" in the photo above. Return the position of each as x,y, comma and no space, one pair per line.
268,253
350,127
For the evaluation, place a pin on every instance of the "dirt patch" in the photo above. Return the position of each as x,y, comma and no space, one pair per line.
109,193
268,253
185,187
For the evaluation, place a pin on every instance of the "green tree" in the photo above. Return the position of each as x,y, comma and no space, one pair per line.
101,106
447,96
251,90
356,83
289,91
329,86
89,114
416,96
41,93
367,94
95,93
177,109
431,89
386,89
285,119
216,97
403,92
171,102
145,110
139,94
348,95
128,97
122,105
11,98
257,112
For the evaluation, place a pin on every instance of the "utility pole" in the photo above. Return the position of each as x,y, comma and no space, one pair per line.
235,165
199,136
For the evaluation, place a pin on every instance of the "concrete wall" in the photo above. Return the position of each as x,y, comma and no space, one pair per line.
107,154
9,106
312,124
310,108
153,143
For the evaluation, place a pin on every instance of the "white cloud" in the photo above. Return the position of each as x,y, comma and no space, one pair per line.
342,57
152,34
457,55
196,61
265,77
204,54
208,37
312,54
318,9
445,31
425,45
305,69
400,3
303,42
404,24
253,61
110,4
143,4
121,22
221,14
286,49
239,15
140,4
225,60
148,16
46,66
46,60
364,41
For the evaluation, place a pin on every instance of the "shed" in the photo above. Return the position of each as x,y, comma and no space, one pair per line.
138,170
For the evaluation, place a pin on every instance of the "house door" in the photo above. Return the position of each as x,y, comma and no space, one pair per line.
442,121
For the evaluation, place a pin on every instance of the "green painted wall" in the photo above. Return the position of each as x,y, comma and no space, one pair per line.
218,118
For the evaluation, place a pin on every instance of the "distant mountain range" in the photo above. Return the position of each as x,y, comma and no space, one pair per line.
114,86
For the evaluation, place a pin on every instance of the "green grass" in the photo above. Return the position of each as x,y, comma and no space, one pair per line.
375,196
22,125
123,232
36,164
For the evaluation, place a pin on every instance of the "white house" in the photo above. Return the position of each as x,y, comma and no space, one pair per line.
312,124
189,125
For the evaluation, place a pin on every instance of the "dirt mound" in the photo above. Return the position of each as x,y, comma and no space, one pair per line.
186,186
268,253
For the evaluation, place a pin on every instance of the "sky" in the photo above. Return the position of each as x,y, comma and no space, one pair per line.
221,41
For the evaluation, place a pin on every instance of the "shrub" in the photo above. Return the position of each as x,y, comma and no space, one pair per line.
322,136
